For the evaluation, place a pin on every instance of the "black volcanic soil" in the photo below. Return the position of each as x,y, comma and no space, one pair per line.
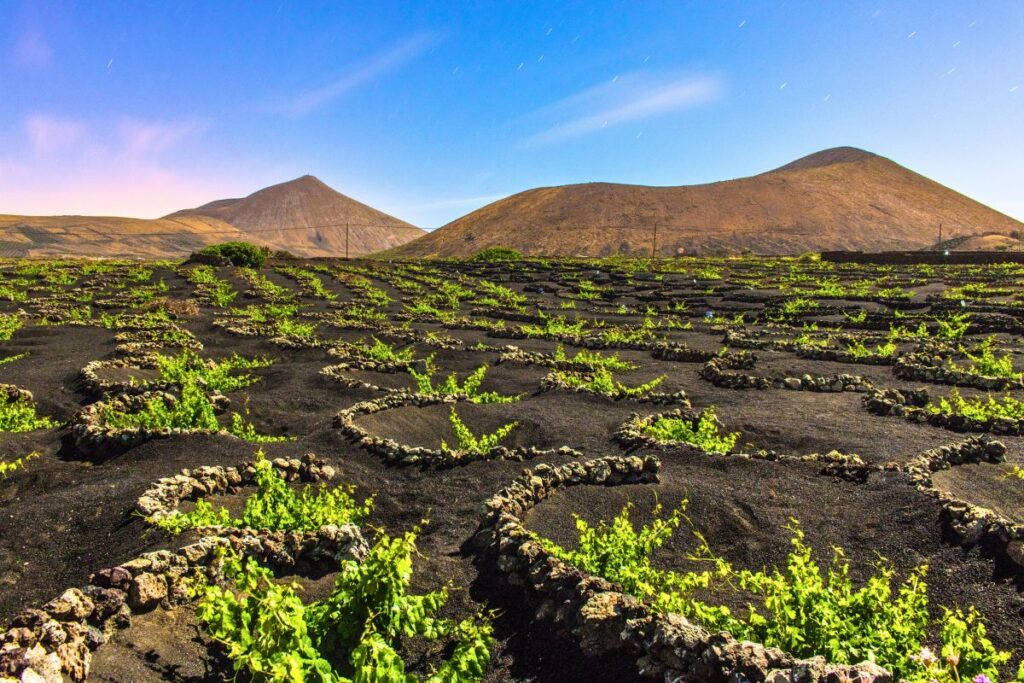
62,518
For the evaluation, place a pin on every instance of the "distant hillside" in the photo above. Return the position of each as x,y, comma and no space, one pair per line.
302,216
842,198
111,237
308,218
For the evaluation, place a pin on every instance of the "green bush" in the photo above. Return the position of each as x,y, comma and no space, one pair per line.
277,507
498,255
355,635
704,432
469,443
241,254
808,611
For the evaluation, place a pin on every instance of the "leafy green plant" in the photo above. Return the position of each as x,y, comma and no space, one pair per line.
265,287
470,387
468,443
555,326
19,415
807,611
498,255
10,466
276,507
192,411
246,431
290,327
985,362
499,297
242,254
602,381
954,327
213,375
353,636
11,359
977,408
586,359
9,324
383,352
309,282
218,292
704,432
857,349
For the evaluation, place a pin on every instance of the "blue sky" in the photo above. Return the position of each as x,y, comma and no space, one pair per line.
428,110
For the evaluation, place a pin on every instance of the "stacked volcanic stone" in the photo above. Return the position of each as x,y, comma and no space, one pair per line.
911,405
139,342
606,620
165,495
680,352
969,524
837,356
93,384
10,393
396,453
717,371
553,382
95,439
921,367
825,383
45,645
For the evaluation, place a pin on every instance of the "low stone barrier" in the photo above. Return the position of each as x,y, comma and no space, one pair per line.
396,453
605,620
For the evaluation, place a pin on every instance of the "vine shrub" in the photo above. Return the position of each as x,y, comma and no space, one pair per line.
468,443
705,432
586,359
9,324
20,416
353,636
806,611
985,362
383,352
602,381
213,375
469,387
192,411
11,359
977,408
14,465
277,507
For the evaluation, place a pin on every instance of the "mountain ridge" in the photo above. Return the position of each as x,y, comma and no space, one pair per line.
834,199
303,216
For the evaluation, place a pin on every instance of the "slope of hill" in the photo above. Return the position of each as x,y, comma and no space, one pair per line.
111,237
842,198
302,216
308,218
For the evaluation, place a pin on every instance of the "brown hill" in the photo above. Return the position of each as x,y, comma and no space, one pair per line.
308,218
303,216
842,198
111,237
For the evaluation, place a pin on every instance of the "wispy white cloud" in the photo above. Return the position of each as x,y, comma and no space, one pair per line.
47,134
142,138
380,65
31,49
624,99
